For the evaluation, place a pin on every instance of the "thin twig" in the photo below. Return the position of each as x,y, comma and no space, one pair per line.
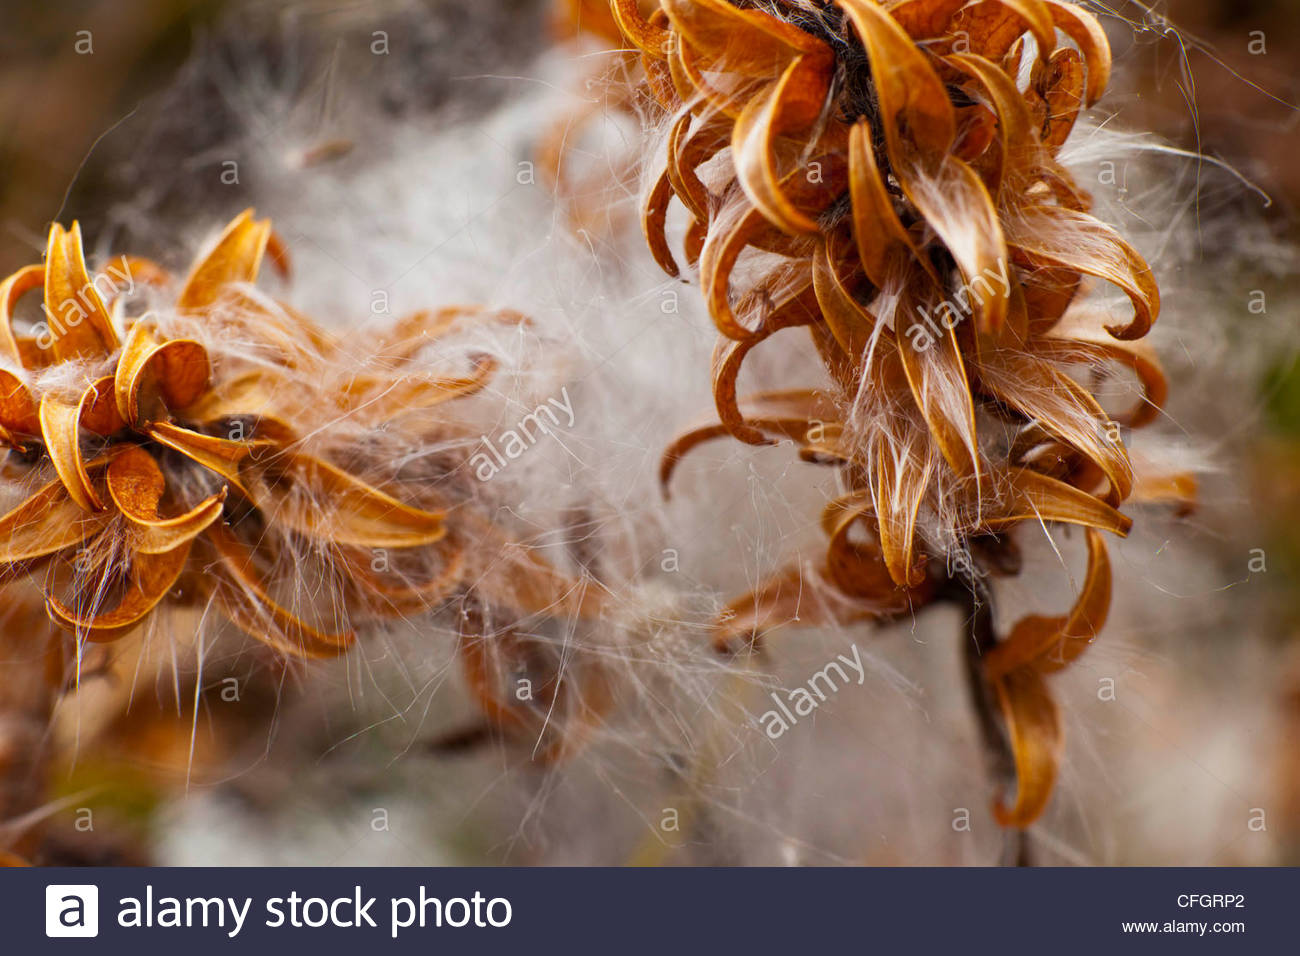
975,600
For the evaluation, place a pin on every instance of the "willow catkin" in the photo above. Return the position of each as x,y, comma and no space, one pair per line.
220,450
876,176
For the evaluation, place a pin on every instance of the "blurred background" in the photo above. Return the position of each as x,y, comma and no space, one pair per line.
73,76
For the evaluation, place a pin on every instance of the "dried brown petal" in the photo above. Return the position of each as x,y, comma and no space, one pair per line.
994,25
17,407
749,42
1082,27
936,372
383,399
789,414
798,594
177,370
1021,153
149,578
883,244
645,35
1034,723
687,151
1052,236
905,466
1077,344
234,258
1061,406
791,104
13,289
313,497
1061,87
1030,496
136,486
858,568
654,217
958,207
1048,644
99,408
215,454
61,431
244,597
79,323
924,19
917,115
790,596
48,522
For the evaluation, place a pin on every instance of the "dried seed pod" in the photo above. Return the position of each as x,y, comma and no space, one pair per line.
224,449
927,237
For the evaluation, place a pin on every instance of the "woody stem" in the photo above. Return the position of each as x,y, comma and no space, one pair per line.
975,599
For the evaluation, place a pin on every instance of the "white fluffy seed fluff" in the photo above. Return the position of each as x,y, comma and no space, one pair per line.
395,193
